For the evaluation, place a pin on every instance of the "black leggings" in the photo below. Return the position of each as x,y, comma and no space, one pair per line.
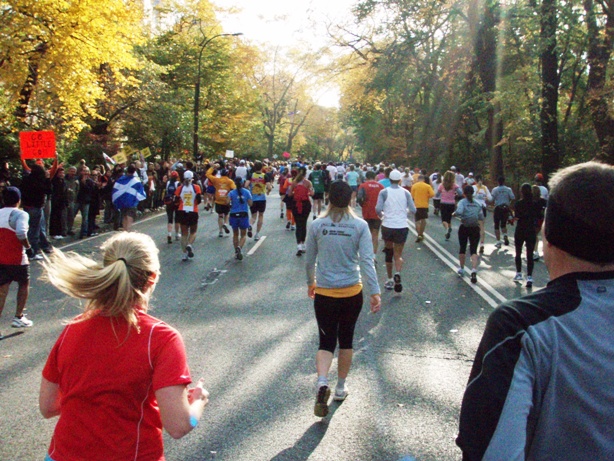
530,239
468,233
336,320
301,221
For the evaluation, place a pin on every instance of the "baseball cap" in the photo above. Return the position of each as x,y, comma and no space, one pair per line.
188,175
395,175
539,177
453,168
174,174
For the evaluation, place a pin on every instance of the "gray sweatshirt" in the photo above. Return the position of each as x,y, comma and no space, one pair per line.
341,250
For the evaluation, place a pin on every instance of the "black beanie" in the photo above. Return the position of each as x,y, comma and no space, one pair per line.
340,194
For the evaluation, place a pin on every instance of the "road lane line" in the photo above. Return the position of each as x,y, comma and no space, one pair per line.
452,262
255,247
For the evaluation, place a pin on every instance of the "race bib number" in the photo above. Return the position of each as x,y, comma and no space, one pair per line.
188,200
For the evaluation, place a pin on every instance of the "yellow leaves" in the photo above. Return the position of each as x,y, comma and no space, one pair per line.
74,39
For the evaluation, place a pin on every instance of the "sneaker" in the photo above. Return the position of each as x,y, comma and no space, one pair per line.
299,251
239,253
292,228
225,227
340,394
474,277
281,215
250,232
398,286
518,277
418,239
321,407
303,248
315,217
288,225
184,257
461,272
22,322
256,237
177,237
169,239
389,285
535,256
190,251
36,257
498,244
529,281
506,240
221,234
448,234
481,249
57,237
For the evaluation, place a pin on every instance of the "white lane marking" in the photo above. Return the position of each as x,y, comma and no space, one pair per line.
453,264
255,247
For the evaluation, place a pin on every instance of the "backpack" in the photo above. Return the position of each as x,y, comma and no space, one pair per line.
169,198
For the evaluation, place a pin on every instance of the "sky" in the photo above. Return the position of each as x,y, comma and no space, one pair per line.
285,23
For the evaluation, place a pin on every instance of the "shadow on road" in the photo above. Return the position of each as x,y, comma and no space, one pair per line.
17,333
305,446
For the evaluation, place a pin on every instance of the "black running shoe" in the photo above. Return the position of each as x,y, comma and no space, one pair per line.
225,227
169,239
321,407
448,234
250,232
398,286
239,253
474,277
506,240
190,251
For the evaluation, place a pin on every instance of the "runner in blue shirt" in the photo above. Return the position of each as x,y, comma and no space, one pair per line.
240,201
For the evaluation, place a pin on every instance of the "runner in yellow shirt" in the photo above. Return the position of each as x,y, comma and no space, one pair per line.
421,192
223,185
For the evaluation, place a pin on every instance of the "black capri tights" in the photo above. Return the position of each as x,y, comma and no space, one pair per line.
170,214
529,238
471,234
336,320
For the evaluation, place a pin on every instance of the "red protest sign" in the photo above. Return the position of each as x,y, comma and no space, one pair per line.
37,144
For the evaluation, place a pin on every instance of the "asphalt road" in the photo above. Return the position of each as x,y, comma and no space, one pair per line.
250,332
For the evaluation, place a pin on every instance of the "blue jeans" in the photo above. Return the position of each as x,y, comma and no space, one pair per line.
84,208
37,231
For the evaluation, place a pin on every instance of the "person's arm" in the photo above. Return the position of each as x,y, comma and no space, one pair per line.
365,249
381,199
49,399
25,166
311,253
310,187
411,206
180,408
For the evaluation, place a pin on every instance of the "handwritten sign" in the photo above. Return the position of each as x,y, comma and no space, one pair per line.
230,154
146,152
37,144
120,158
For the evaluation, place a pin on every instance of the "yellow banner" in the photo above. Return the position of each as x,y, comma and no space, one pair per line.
120,158
146,152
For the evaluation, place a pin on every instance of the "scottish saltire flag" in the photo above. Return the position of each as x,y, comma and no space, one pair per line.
127,192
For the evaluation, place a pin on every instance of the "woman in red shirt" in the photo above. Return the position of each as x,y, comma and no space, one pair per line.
116,375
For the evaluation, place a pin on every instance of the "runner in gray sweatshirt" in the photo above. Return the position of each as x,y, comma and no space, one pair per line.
338,246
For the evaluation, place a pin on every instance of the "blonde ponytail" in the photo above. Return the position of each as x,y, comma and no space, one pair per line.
116,288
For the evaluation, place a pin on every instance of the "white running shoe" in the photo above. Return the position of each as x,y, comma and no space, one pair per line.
498,244
529,281
389,285
256,237
340,394
518,277
184,257
22,322
461,272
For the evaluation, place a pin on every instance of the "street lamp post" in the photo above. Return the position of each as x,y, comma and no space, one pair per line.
203,45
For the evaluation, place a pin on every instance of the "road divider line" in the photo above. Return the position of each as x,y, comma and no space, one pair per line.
453,264
255,247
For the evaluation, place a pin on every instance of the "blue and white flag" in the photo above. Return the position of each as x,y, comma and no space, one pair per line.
127,192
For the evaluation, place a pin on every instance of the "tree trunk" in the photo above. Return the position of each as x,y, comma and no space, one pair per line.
25,95
599,51
550,89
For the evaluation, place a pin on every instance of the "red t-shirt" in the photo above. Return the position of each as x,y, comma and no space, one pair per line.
107,378
372,189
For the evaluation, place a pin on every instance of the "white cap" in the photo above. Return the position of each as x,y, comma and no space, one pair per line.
453,168
470,174
188,175
395,175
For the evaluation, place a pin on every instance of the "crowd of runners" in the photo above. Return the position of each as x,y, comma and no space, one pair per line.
339,249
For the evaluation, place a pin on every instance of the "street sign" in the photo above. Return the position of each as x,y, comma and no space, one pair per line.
37,144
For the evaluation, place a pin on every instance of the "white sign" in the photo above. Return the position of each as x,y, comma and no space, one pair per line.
230,154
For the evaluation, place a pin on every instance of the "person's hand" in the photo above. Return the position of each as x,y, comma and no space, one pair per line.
29,253
198,392
311,291
376,303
